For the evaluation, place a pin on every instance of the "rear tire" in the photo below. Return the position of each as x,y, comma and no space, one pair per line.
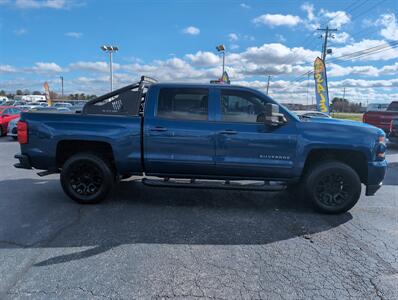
332,187
1,131
87,178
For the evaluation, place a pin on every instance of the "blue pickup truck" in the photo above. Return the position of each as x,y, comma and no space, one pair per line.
203,136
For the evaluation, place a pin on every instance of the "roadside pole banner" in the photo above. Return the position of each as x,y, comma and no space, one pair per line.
321,89
225,78
47,91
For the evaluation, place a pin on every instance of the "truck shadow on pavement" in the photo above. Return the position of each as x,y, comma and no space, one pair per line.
36,214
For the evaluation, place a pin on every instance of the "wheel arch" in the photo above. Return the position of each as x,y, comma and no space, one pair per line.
67,148
353,158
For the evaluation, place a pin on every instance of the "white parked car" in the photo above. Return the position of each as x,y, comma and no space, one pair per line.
377,107
310,114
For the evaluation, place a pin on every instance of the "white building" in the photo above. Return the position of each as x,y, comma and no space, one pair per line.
30,98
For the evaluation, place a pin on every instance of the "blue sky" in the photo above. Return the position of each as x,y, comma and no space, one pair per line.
41,40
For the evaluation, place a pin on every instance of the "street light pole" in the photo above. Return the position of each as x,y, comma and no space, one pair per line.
223,62
62,86
111,69
110,50
221,48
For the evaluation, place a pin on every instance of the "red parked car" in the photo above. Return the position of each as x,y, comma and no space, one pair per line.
382,119
7,113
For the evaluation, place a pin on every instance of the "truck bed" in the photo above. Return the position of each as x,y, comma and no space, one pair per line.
380,119
48,130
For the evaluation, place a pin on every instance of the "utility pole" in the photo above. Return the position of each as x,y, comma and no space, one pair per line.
326,51
327,35
62,86
269,77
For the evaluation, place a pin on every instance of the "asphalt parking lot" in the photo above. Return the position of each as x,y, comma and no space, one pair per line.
171,243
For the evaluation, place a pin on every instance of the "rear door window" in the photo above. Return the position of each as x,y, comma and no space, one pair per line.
183,104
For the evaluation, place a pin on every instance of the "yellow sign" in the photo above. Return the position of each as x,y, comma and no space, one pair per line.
321,92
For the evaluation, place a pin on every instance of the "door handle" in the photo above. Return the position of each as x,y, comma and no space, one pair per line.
158,128
228,132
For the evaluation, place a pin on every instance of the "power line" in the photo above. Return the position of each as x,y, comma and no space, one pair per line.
365,52
368,10
354,55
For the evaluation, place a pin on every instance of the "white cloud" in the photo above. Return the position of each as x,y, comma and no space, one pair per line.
192,30
55,4
44,67
244,5
309,9
233,37
76,35
97,66
390,30
20,31
341,38
276,53
7,69
277,20
336,19
370,71
204,58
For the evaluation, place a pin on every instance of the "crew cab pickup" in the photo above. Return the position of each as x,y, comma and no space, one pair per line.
382,119
203,136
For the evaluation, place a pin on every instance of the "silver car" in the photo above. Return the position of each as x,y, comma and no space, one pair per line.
12,129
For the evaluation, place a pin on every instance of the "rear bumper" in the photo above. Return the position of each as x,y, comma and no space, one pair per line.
24,162
376,173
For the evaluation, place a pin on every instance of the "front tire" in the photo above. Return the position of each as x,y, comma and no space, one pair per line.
332,187
87,178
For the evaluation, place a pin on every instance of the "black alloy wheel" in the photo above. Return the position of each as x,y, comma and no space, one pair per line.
87,178
333,187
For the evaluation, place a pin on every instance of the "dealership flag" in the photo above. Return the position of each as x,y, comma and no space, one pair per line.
47,92
321,87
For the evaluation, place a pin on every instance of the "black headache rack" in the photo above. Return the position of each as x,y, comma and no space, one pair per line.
128,100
